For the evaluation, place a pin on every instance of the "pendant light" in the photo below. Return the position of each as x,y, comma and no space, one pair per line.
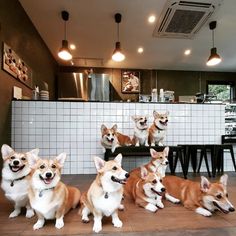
214,58
64,52
117,54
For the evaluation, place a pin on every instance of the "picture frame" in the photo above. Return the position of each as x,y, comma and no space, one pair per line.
130,81
15,66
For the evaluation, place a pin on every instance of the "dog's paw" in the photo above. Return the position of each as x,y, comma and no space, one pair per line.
85,219
203,212
97,227
15,213
160,144
29,213
146,145
151,207
121,207
59,223
153,144
137,145
176,201
160,205
38,225
117,223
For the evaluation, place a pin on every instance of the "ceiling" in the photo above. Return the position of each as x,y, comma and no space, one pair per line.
91,27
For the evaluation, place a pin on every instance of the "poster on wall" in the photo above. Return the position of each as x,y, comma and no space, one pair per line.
130,81
15,66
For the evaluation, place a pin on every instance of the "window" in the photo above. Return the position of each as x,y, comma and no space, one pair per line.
221,89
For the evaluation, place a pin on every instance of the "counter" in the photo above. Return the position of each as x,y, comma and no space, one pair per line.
74,128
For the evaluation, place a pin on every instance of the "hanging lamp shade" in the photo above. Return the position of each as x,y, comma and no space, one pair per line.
117,53
64,52
214,58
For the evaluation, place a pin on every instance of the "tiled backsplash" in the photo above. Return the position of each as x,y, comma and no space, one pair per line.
74,128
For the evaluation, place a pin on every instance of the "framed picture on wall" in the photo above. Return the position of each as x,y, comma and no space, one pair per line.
130,81
15,66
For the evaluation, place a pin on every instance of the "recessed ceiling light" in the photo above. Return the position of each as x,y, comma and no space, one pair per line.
151,19
72,46
187,52
140,50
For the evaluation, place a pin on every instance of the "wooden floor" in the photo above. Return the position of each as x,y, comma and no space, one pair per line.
173,220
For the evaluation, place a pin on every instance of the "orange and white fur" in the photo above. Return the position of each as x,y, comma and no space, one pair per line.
16,177
157,130
111,138
146,190
105,193
157,164
49,197
204,197
140,131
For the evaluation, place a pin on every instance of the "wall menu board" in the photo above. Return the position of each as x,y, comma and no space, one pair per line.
15,66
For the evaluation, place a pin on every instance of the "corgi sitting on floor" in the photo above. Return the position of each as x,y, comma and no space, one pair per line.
140,131
204,197
157,131
105,194
15,178
158,163
146,190
49,197
111,138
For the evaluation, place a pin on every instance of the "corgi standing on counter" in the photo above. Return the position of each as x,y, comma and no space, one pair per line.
105,194
49,197
204,197
111,138
157,131
140,131
16,177
146,190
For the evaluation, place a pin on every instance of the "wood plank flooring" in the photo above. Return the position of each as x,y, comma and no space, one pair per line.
173,220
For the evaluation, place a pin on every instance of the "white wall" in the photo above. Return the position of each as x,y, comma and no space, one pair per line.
74,128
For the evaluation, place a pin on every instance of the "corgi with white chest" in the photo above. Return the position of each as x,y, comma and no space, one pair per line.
105,194
111,138
49,197
16,177
146,190
203,198
157,131
140,131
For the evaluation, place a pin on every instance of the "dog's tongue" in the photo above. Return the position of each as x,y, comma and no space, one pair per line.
47,181
15,168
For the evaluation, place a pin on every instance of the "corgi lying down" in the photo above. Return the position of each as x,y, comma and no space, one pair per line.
204,197
49,197
16,177
105,194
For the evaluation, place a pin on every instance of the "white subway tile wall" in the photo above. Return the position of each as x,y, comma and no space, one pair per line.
74,128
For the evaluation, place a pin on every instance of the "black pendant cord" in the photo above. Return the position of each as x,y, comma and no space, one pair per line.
41,191
12,181
158,127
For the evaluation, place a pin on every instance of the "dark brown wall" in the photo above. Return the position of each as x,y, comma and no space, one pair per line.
18,32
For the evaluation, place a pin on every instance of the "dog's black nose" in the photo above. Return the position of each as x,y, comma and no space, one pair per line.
231,209
16,163
166,121
167,162
127,175
48,175
163,189
112,139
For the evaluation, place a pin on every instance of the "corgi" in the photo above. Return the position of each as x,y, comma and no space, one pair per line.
157,131
49,197
158,163
105,194
204,197
146,190
15,178
140,131
111,139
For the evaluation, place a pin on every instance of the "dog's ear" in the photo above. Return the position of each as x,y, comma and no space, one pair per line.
99,163
224,179
167,113
135,118
103,128
34,152
144,172
155,114
153,153
32,158
6,151
205,184
166,151
114,127
118,159
61,159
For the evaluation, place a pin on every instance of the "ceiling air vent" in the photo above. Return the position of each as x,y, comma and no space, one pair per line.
183,19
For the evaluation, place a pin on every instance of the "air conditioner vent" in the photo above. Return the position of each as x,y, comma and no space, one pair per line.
183,19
